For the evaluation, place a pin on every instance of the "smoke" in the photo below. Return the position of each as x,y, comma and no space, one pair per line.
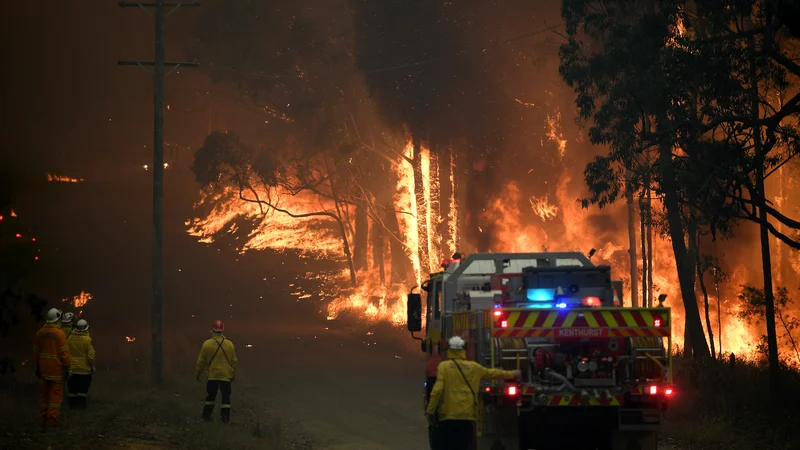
466,75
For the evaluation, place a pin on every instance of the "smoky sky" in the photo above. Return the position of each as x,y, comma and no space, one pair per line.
444,68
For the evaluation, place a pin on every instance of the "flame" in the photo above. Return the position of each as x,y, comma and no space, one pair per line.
79,300
543,208
406,202
554,132
63,179
423,235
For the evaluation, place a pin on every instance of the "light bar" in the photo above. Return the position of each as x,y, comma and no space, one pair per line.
541,295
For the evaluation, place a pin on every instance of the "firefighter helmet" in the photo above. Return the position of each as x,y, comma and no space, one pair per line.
218,326
68,317
456,343
82,325
53,316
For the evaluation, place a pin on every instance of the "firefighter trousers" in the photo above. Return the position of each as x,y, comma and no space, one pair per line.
78,388
455,435
212,386
51,393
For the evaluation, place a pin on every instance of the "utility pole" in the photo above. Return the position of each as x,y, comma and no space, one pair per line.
157,367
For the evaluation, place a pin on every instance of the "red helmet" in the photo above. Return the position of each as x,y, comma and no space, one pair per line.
218,326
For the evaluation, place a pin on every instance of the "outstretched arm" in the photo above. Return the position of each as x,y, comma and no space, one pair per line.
498,374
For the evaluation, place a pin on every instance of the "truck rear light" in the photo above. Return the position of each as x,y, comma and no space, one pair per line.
653,390
511,391
498,313
504,324
488,389
591,301
669,391
657,322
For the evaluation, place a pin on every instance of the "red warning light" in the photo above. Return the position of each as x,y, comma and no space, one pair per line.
33,239
35,258
18,235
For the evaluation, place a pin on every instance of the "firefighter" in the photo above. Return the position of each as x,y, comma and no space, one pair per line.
82,352
218,360
52,359
452,409
67,323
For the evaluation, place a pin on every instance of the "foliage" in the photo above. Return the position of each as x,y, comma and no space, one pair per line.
755,311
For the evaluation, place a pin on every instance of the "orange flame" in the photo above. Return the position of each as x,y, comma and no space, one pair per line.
79,300
543,208
63,179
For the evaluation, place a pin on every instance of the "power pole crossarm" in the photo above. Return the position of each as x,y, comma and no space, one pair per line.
130,62
158,65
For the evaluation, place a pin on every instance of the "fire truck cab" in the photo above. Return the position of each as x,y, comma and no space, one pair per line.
596,375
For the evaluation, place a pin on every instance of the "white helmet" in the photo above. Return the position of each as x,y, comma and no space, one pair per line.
53,316
68,317
456,343
82,325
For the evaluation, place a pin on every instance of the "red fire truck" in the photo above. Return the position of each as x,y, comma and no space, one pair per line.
596,374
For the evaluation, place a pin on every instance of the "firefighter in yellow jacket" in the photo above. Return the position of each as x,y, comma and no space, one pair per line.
454,396
82,352
218,360
52,360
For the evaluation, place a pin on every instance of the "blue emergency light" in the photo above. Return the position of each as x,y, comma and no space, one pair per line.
541,294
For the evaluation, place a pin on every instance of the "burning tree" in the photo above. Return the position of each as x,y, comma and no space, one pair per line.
302,76
686,93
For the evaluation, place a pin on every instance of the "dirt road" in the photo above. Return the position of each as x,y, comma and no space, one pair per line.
344,393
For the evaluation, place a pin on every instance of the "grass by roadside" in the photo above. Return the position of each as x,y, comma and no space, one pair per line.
126,413
720,406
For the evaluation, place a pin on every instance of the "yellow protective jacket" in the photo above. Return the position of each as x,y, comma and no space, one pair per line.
51,352
82,352
451,396
217,359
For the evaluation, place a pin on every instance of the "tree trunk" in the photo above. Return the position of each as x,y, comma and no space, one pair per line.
649,244
377,251
400,261
422,209
769,296
701,279
361,240
343,228
347,254
646,301
445,191
766,260
632,241
719,314
435,225
694,328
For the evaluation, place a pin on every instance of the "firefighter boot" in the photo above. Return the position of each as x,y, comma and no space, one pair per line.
207,410
225,415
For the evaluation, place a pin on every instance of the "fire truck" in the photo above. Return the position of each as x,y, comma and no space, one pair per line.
595,374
